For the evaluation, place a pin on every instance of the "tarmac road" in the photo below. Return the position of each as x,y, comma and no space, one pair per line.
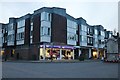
86,69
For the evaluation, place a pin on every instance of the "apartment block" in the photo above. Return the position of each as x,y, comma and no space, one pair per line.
51,31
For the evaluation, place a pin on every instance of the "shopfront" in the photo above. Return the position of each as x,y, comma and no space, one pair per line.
95,54
57,52
98,53
1,52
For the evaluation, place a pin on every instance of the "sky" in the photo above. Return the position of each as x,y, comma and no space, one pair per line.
95,12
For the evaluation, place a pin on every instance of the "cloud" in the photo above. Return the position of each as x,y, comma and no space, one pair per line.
101,13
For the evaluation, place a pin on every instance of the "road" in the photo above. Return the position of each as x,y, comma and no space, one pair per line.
59,70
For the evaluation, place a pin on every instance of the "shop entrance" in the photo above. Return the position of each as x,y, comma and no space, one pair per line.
95,55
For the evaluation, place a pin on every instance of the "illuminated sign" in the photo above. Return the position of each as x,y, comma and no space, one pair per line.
56,46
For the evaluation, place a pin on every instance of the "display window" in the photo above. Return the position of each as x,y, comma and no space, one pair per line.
56,53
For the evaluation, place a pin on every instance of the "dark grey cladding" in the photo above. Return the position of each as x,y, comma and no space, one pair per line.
56,10
12,20
24,17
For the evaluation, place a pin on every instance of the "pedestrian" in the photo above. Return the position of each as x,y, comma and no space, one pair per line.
102,59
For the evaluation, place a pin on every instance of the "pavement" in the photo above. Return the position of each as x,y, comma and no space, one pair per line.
54,61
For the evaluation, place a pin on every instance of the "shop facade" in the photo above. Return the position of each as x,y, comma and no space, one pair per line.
57,52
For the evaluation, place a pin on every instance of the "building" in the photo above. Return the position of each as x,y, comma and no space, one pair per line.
3,38
51,31
113,51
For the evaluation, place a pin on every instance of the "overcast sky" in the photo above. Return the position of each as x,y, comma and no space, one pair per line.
95,12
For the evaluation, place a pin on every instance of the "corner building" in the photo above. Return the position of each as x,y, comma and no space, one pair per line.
51,31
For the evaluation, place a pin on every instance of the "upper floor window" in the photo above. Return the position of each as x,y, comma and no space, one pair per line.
102,33
21,23
83,28
89,30
10,37
71,24
83,38
110,35
45,31
72,36
10,27
95,31
31,29
45,16
20,36
90,40
21,30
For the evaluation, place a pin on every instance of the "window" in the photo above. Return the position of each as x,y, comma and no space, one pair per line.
21,23
71,24
84,28
45,16
90,40
110,35
19,30
88,30
10,27
20,36
95,31
83,38
72,37
48,31
10,38
45,31
102,33
31,33
91,31
1,42
31,26
71,30
49,17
